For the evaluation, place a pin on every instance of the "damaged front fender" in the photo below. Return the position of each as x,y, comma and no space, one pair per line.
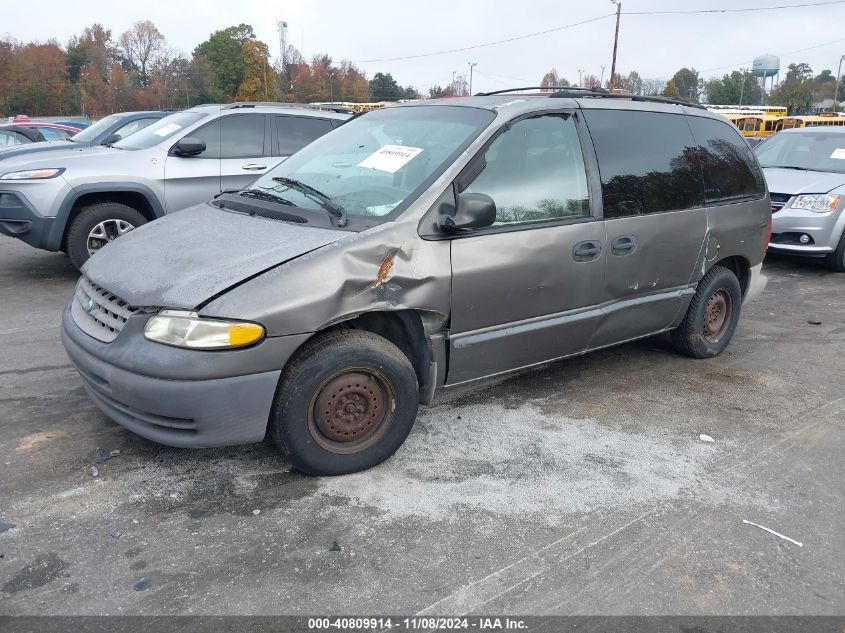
382,269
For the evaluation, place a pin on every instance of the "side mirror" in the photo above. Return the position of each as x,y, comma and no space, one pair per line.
111,139
189,146
475,211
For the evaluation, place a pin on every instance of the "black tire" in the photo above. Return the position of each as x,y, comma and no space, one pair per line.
702,334
88,219
317,425
836,260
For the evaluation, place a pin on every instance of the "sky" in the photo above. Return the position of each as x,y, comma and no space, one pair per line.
654,45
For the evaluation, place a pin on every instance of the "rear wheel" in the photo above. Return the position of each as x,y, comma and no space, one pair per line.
711,318
836,260
345,403
96,226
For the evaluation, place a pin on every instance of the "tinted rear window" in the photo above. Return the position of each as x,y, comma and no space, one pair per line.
293,133
730,171
647,162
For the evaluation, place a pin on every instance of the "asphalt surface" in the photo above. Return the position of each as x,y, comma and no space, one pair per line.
582,487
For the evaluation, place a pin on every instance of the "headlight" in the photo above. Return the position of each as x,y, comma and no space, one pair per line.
32,174
186,329
820,203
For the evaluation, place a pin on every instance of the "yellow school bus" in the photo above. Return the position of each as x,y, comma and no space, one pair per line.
824,119
759,126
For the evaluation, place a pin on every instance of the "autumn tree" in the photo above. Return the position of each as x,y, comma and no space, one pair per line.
223,55
259,82
684,84
140,45
93,48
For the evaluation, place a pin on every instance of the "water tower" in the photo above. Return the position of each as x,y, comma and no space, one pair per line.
764,67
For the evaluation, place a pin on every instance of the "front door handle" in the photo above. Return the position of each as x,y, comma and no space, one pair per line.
624,245
254,167
586,251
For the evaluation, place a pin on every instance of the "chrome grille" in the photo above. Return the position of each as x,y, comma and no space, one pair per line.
98,312
779,200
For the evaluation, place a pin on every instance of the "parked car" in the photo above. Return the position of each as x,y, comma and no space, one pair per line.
78,201
15,136
805,170
50,131
106,131
414,248
81,125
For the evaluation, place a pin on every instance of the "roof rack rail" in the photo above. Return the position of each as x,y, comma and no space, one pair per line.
285,104
566,93
545,88
578,92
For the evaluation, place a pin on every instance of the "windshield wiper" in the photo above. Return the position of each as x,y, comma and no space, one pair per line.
788,167
258,194
322,199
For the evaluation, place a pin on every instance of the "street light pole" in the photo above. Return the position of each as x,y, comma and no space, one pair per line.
836,87
471,66
615,43
580,83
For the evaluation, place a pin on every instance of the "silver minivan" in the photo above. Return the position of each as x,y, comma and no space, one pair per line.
416,248
805,170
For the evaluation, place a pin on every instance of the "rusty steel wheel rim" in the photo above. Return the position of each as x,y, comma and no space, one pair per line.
351,410
717,315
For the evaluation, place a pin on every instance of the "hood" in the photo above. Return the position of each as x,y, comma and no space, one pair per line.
13,151
186,258
797,181
65,156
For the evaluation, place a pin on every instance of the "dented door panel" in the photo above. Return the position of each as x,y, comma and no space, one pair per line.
645,289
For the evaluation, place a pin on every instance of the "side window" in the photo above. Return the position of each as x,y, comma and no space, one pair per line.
534,171
12,138
292,133
647,162
233,136
132,127
730,171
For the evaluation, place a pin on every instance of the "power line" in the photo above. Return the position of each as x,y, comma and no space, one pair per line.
596,19
742,10
786,54
469,48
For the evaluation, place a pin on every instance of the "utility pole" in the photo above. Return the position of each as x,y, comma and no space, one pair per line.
580,82
453,83
836,87
742,86
601,79
471,66
615,43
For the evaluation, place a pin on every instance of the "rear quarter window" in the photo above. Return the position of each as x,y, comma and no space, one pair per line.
647,162
729,168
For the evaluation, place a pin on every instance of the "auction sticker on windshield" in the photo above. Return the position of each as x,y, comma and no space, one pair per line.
838,153
164,130
390,158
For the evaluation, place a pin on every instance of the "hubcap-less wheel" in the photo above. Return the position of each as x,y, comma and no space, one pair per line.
351,411
717,315
105,232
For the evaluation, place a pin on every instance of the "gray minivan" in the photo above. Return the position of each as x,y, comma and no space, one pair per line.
414,248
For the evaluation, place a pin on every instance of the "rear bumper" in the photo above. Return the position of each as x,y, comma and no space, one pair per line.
756,283
220,411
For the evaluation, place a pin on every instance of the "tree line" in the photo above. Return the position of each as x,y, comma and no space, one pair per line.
799,89
96,73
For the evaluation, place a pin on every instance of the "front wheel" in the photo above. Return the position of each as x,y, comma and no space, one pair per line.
96,226
345,403
712,315
836,260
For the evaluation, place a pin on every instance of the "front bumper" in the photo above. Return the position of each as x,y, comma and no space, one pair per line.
221,410
824,230
19,219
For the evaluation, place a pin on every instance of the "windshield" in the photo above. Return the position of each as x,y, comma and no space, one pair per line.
376,164
160,130
817,151
93,131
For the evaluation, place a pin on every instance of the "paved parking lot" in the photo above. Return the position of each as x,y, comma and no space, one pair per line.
579,488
